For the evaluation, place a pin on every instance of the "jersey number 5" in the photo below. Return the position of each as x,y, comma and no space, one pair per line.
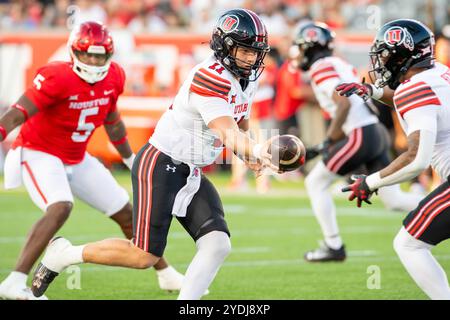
86,128
38,81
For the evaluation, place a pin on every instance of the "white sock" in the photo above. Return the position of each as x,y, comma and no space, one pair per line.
74,254
18,278
166,272
394,198
334,242
212,249
317,184
422,266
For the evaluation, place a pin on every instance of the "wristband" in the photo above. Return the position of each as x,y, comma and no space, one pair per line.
374,181
377,93
21,109
112,122
3,133
120,141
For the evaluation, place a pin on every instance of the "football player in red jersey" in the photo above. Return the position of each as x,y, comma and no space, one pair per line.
59,112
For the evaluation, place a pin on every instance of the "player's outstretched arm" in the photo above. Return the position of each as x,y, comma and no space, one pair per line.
240,143
17,114
366,91
117,133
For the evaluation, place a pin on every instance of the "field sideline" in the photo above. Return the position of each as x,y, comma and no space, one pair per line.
270,233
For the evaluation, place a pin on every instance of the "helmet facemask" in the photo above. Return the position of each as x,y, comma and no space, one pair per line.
90,73
91,39
250,72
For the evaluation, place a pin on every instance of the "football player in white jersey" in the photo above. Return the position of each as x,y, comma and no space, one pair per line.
354,138
408,78
208,113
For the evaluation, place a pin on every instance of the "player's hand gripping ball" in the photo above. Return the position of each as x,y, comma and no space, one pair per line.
288,152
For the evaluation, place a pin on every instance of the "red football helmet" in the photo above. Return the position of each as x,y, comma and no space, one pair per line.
93,38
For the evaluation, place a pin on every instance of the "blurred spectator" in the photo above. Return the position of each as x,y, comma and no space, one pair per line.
198,15
89,10
292,93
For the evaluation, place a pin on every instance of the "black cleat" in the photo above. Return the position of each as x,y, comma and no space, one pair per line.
42,279
326,254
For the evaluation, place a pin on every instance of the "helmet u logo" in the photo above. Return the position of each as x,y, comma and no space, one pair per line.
394,36
229,24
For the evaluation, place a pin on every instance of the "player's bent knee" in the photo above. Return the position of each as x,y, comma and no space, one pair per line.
145,260
224,248
60,211
398,243
217,243
124,217
312,182
404,242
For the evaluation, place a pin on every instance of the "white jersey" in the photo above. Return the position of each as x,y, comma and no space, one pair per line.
425,89
209,92
326,74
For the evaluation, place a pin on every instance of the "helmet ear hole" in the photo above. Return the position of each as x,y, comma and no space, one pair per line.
229,42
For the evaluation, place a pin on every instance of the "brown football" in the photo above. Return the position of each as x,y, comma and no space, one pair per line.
288,152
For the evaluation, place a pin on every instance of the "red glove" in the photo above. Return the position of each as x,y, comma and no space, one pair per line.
347,89
359,189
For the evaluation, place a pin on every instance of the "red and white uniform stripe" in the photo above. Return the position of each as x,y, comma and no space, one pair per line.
326,74
352,146
210,91
414,95
145,173
425,89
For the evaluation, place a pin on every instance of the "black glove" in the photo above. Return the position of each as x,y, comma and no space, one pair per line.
359,189
314,151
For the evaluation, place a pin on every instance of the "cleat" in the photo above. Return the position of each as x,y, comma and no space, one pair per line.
50,266
14,292
171,280
42,279
325,254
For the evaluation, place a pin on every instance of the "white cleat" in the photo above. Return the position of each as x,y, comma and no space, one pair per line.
170,280
54,255
51,265
15,292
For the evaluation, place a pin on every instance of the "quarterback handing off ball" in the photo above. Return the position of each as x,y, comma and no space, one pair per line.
288,152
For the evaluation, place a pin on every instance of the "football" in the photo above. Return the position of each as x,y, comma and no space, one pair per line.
288,152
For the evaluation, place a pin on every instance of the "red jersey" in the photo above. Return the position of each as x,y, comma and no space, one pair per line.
285,104
70,109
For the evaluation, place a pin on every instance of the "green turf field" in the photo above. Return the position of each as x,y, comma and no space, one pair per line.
270,233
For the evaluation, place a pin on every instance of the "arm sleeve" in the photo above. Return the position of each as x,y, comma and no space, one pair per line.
210,108
46,88
423,120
